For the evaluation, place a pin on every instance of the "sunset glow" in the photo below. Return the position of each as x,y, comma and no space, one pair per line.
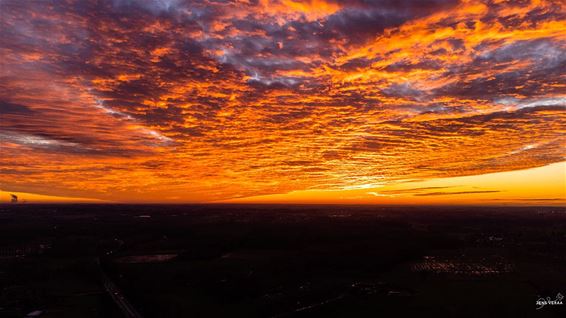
285,101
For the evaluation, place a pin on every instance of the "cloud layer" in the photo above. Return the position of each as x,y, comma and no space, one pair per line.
207,100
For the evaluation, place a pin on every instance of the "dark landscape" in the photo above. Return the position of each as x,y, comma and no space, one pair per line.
280,261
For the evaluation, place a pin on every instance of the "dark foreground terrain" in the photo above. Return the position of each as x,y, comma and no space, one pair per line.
281,261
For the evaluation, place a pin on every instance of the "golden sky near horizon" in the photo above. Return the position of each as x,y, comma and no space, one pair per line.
318,101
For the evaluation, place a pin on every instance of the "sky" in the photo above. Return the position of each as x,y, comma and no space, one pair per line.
283,101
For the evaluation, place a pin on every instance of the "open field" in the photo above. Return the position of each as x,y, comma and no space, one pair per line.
282,261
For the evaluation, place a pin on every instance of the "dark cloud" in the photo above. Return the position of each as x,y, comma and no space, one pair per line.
454,193
412,190
361,21
541,199
12,108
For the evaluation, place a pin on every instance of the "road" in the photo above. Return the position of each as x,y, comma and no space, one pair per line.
117,296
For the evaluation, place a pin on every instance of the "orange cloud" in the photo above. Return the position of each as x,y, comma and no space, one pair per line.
193,101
